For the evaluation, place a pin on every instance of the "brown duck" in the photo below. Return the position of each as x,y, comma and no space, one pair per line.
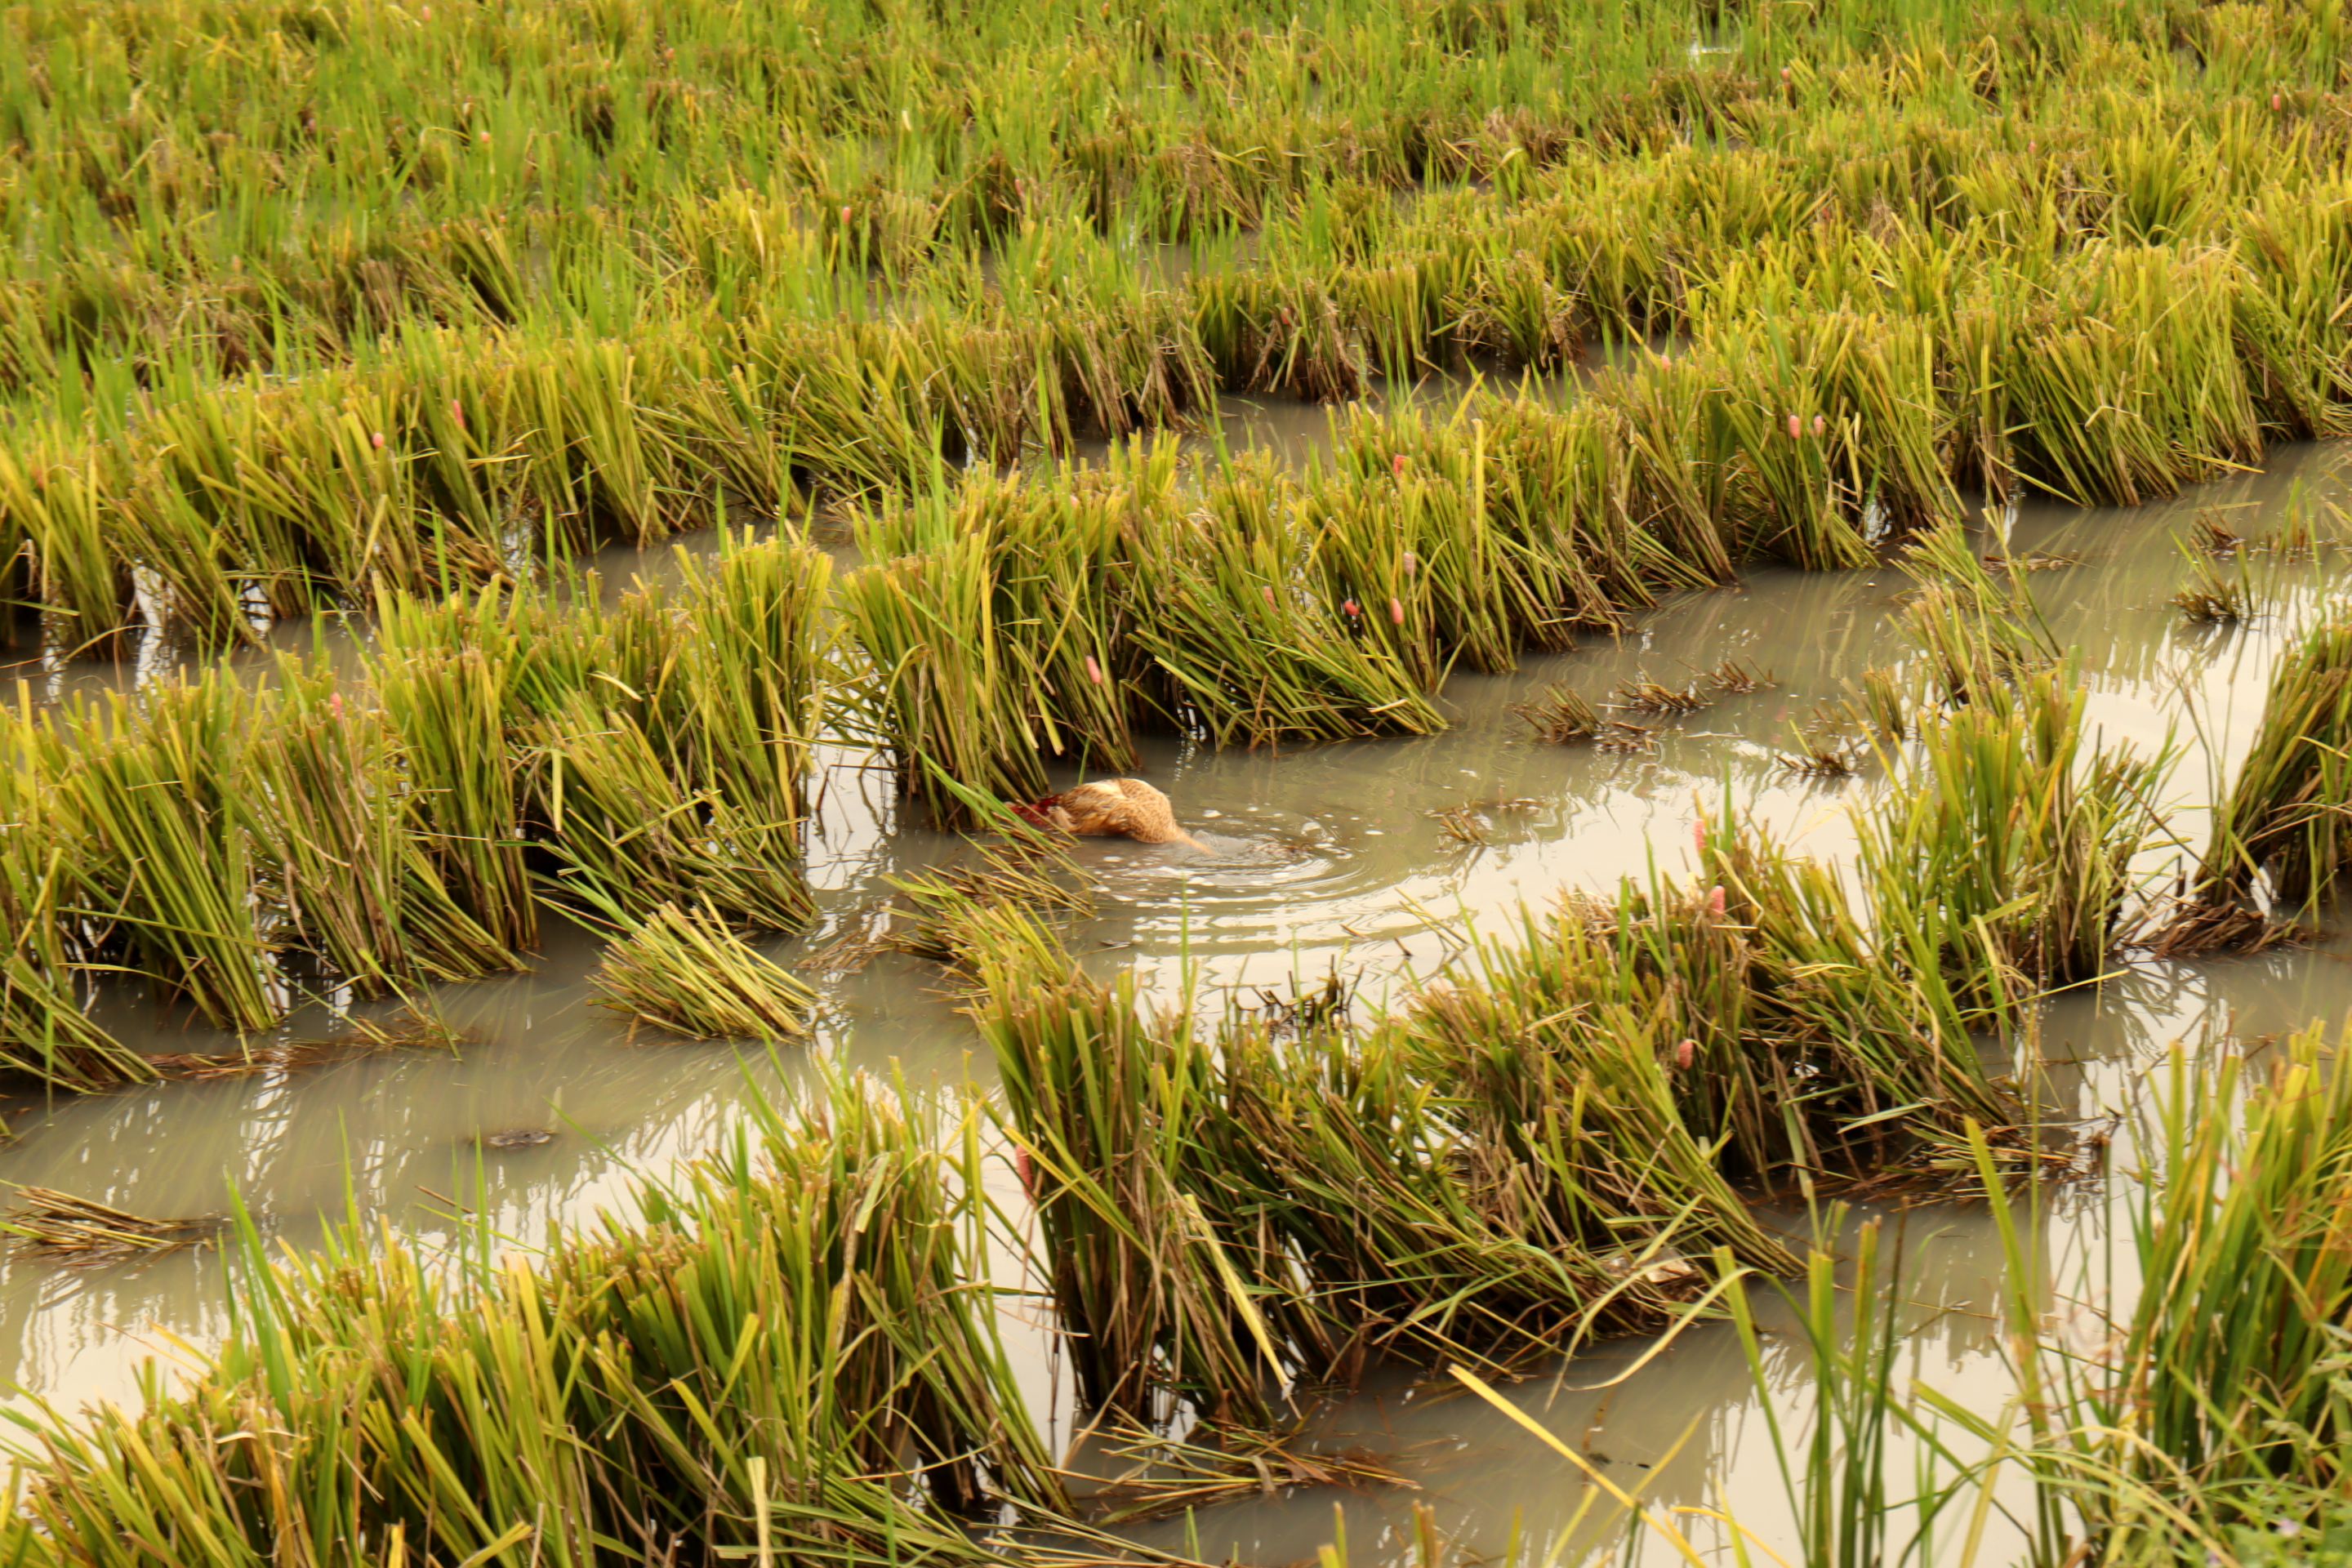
1112,808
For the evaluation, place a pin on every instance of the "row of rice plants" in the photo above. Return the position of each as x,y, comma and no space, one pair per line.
1795,436
240,156
240,848
791,1348
1011,621
2175,162
1016,621
789,1351
1539,1149
339,109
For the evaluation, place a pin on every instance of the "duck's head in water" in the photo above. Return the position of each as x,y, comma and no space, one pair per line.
1112,808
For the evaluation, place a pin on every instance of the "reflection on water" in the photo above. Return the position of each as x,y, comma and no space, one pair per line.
1312,855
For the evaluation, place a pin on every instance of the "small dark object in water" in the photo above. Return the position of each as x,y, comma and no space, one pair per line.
517,1138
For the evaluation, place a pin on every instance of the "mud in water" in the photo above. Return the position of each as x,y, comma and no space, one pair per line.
1372,858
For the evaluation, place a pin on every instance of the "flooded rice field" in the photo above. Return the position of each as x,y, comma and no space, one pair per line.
1373,861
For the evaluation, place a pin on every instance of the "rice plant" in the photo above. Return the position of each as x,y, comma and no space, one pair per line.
2281,825
2005,854
686,972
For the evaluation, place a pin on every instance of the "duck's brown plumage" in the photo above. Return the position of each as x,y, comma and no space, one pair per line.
1118,808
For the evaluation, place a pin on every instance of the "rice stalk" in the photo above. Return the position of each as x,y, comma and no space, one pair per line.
686,972
2281,825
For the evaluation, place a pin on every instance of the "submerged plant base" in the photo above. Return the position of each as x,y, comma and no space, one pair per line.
1164,1475
1560,716
409,1030
58,1227
2198,927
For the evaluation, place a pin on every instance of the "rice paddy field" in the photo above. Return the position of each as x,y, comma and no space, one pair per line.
1743,606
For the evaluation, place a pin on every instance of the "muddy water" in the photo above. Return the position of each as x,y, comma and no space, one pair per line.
1318,856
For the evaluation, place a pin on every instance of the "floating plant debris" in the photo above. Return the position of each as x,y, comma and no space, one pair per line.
58,1227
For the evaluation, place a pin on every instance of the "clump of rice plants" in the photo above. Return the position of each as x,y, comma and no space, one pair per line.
685,971
618,820
1820,755
1102,1106
1643,695
780,1349
2219,594
416,1024
2003,857
2282,826
1030,870
2230,1373
985,624
1237,646
449,707
1884,703
148,805
46,1036
1975,632
752,676
1162,1474
341,846
1764,960
1279,332
1431,1231
1176,1175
